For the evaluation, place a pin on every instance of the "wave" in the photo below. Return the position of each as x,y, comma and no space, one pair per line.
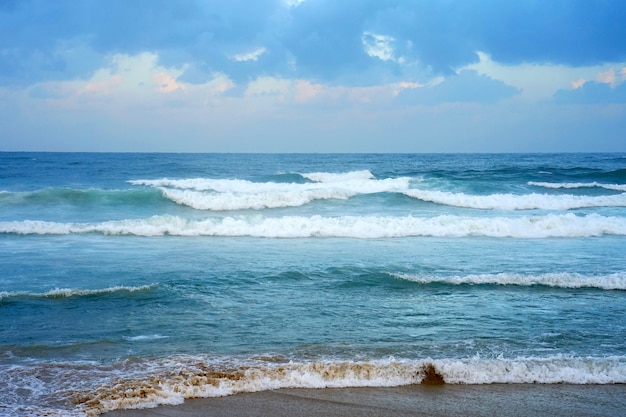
569,185
172,380
245,186
543,226
256,201
90,388
226,194
517,202
70,292
326,177
77,196
616,281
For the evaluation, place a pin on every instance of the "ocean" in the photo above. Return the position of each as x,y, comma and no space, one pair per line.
132,280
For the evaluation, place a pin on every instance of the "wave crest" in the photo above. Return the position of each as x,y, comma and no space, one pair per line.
327,177
226,194
569,185
517,202
72,292
616,281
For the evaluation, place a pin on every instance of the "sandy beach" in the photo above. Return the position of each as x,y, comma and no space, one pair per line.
416,400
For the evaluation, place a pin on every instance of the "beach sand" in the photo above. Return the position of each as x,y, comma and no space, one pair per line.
416,400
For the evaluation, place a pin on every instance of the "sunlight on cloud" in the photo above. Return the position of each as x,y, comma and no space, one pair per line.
131,80
611,77
541,81
303,92
101,87
306,91
166,83
399,87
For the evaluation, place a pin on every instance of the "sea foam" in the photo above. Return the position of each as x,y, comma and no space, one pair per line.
517,202
541,226
196,378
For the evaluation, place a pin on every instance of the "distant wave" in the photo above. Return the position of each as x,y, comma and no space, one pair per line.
245,186
517,202
70,292
543,226
569,185
615,281
226,194
195,378
327,177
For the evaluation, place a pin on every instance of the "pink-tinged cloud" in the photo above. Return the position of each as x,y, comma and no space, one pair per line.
306,91
578,83
166,83
102,87
606,77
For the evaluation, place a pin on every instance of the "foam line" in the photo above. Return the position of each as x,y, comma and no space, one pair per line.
616,281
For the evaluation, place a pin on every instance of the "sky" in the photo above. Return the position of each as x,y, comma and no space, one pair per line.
313,75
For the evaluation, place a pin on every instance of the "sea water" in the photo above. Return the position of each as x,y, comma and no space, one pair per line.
132,280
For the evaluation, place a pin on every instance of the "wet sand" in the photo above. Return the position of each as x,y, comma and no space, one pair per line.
416,400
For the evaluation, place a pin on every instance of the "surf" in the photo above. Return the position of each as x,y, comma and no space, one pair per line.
363,227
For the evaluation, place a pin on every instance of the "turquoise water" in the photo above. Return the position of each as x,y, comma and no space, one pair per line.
167,276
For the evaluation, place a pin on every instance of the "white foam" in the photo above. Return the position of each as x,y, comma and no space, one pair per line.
259,200
569,185
544,226
73,292
616,281
146,337
197,380
145,383
517,202
327,177
555,370
212,194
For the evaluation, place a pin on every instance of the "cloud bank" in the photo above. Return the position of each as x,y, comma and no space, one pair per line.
313,75
357,42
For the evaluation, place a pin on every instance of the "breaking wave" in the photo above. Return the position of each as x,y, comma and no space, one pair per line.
569,185
517,202
616,281
227,194
326,177
96,389
70,292
543,226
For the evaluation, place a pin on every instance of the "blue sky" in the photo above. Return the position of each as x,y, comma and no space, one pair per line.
313,75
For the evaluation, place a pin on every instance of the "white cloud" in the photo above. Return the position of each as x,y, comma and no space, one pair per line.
268,86
249,56
379,46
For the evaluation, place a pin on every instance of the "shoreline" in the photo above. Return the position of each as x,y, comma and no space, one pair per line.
560,400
